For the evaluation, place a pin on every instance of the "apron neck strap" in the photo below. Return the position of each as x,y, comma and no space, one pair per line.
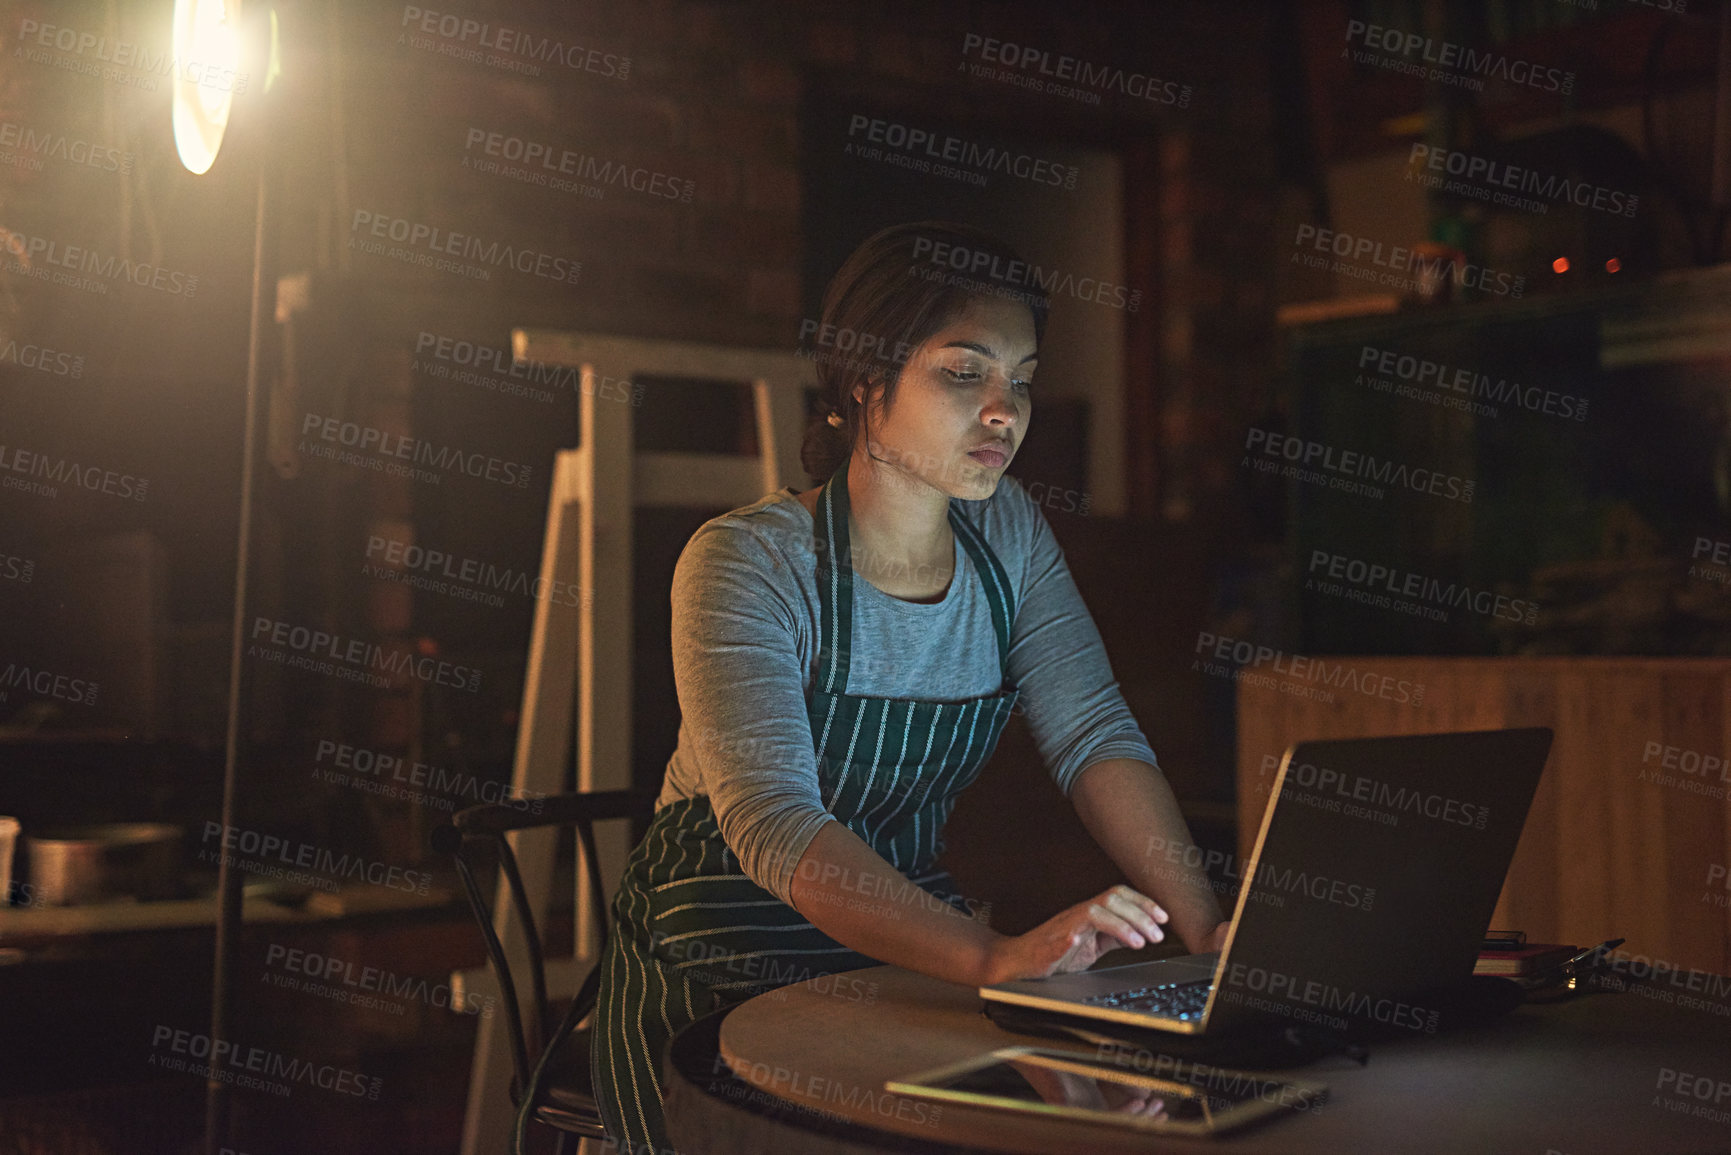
835,583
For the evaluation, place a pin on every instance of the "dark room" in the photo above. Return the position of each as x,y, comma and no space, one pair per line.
475,677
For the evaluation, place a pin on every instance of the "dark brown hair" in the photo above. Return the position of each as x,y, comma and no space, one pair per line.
889,297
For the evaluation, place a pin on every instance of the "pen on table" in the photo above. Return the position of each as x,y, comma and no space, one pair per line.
1608,944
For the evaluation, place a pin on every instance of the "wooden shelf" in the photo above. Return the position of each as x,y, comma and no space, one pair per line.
37,924
1681,315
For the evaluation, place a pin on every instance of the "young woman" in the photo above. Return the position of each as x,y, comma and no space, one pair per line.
846,659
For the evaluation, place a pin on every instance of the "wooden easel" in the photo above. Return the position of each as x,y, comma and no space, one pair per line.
581,655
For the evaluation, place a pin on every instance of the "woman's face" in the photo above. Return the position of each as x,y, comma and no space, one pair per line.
962,403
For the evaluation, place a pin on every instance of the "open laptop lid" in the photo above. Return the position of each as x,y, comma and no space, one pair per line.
1374,878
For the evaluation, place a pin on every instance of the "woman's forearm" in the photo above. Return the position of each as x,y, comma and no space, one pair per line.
850,893
1129,808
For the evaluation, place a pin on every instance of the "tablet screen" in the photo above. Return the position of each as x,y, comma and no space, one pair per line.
1034,1082
1188,1097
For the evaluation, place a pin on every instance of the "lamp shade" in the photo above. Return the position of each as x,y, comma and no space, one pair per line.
206,65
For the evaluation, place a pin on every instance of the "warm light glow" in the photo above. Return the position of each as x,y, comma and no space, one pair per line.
1560,265
1613,265
206,74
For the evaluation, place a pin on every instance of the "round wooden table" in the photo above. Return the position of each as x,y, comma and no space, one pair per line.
802,1069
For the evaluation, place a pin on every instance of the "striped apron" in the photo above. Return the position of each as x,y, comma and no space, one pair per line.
693,934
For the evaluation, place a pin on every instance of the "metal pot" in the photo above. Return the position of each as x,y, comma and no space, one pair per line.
79,864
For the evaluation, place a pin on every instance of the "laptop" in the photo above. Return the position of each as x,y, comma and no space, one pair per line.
1369,892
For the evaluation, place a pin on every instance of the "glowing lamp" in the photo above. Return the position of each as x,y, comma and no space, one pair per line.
1560,265
206,65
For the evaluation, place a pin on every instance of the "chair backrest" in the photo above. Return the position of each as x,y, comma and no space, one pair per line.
488,824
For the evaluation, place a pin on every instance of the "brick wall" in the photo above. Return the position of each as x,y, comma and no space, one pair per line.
714,96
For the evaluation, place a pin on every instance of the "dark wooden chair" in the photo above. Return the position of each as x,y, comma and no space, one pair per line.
556,1089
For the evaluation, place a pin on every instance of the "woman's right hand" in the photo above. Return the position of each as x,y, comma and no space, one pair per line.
1079,936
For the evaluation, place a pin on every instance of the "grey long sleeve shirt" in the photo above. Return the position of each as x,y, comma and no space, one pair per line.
745,640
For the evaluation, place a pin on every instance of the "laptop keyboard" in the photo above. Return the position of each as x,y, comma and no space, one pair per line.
1183,1001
